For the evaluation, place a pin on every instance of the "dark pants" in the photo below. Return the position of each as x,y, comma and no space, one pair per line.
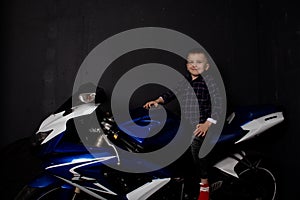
200,163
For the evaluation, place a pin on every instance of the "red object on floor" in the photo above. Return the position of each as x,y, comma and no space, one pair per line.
204,192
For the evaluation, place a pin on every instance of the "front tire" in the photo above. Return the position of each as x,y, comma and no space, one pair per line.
48,193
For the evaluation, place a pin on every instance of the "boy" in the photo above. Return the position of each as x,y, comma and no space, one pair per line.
197,63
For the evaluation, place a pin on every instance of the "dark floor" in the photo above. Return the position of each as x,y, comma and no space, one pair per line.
18,166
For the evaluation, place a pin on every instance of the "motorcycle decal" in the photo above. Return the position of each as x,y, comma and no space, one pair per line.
56,123
77,176
104,189
87,178
93,194
261,124
147,189
90,161
215,186
227,165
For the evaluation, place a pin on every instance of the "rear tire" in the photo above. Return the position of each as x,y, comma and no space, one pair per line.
258,182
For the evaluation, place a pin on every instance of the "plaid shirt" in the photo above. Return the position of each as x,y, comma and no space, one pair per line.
190,108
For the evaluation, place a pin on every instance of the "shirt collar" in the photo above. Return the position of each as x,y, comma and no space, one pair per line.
189,78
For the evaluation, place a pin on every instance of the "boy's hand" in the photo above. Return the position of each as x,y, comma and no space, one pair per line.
153,103
201,129
149,104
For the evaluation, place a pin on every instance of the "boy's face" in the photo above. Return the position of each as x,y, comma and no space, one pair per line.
197,64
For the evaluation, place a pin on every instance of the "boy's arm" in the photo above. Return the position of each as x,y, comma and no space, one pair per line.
166,97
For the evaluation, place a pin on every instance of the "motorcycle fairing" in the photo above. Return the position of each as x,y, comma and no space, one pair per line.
56,123
228,164
78,170
146,190
259,125
242,123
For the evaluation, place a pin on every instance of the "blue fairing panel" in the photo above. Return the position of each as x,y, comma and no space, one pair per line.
246,114
232,131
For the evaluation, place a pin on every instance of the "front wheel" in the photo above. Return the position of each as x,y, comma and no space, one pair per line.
48,193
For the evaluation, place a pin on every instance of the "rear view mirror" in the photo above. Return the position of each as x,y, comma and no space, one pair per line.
88,92
87,97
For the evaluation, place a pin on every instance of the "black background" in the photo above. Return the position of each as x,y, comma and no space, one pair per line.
255,44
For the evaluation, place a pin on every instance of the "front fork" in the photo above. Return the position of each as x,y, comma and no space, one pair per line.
76,193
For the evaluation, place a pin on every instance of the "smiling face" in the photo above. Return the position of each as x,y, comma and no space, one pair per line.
196,64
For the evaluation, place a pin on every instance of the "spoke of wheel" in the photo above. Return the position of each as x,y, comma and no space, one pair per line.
256,164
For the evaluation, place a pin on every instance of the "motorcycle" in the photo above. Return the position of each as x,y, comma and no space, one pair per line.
73,170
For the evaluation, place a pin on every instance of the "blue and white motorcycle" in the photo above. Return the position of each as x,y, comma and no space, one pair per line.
72,170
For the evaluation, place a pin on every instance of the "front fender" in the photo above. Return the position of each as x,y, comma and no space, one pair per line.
46,180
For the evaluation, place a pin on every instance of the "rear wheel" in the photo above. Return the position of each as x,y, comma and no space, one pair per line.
258,179
260,184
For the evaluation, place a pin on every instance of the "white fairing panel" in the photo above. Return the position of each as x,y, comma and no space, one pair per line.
261,124
227,165
87,190
57,122
146,190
